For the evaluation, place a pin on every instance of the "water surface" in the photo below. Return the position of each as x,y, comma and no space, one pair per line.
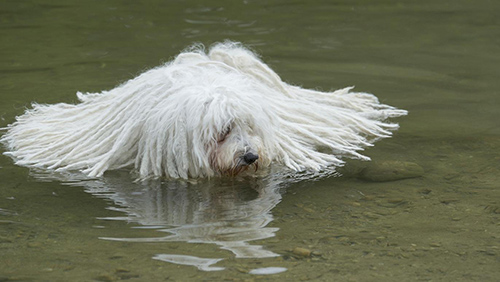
437,59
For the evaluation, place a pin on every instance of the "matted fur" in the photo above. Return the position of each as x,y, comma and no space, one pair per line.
195,117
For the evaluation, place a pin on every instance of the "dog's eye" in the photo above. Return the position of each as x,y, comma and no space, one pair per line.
224,134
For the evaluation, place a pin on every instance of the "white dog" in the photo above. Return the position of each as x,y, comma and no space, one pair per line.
201,115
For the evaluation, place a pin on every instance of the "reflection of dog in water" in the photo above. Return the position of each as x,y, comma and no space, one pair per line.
203,114
230,214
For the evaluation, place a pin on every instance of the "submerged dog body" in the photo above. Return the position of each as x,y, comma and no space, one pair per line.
201,115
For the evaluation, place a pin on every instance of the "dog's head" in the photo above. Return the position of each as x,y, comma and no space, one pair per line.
221,126
240,136
235,148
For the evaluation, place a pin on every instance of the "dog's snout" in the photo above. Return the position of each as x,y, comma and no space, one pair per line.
250,158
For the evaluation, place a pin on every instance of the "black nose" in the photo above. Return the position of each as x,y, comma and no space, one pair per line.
250,158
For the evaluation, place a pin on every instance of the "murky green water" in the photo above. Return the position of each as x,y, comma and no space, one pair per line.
438,59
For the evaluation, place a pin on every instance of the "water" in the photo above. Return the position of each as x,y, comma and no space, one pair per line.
437,59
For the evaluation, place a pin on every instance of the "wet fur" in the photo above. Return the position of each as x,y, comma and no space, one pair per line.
196,117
